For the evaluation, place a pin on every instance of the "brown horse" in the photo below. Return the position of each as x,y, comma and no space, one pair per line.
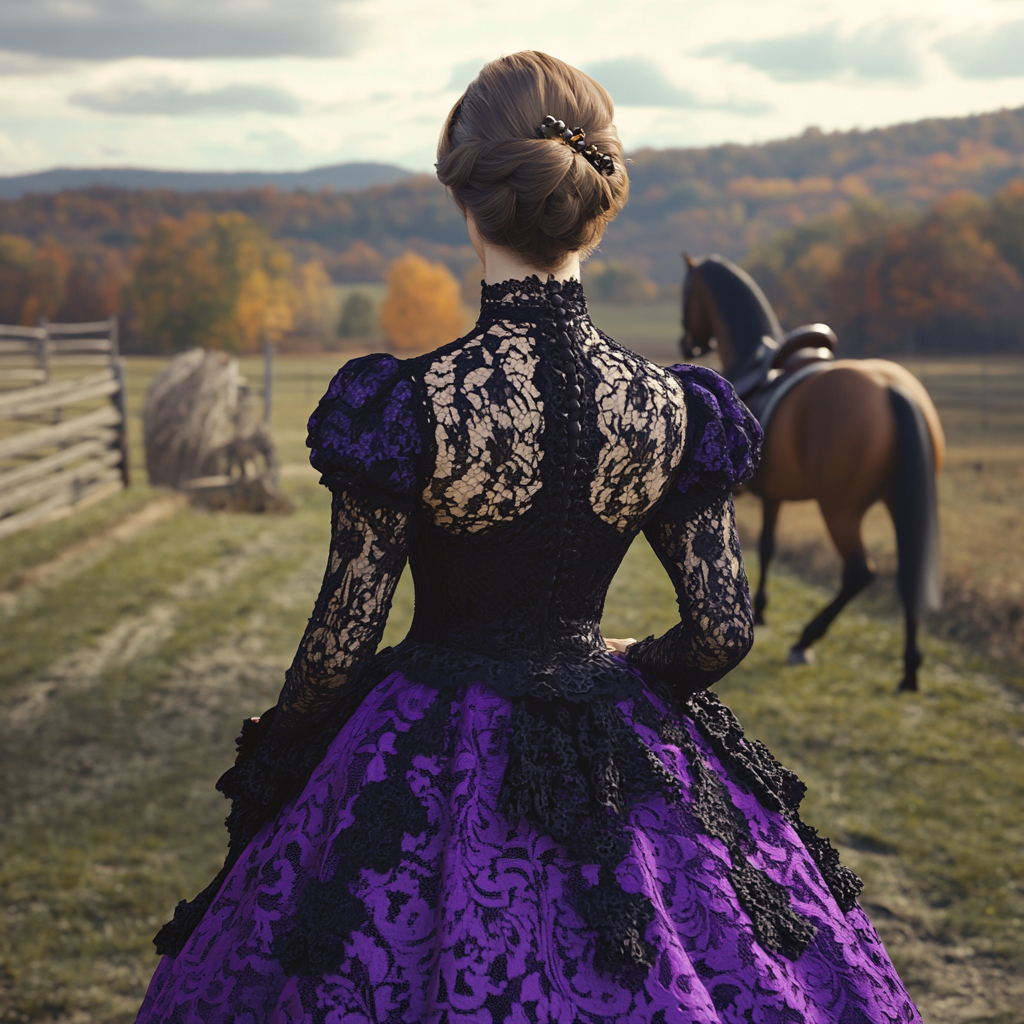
849,433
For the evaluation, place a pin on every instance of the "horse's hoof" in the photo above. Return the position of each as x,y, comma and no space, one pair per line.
800,656
907,686
759,619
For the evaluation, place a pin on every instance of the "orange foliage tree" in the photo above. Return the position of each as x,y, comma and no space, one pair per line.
934,283
892,281
217,281
422,307
49,280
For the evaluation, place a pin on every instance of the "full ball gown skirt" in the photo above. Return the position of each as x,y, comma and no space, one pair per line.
497,821
476,901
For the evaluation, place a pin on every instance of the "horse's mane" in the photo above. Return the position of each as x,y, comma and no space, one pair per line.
741,303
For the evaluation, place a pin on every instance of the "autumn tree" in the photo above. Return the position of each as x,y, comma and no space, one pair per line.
1005,224
33,280
94,287
422,307
931,284
49,280
216,281
897,281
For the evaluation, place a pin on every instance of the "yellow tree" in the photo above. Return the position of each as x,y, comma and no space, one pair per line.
422,307
214,281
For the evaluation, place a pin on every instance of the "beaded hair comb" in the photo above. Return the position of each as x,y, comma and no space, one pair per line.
576,138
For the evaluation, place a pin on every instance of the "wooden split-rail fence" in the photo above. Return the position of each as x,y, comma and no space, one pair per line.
63,420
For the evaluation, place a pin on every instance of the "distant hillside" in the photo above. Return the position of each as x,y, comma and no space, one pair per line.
724,199
728,198
339,177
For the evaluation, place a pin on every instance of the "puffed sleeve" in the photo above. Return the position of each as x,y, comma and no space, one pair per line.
723,443
694,536
364,435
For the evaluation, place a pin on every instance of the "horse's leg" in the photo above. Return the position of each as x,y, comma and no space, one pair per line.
844,527
911,656
766,548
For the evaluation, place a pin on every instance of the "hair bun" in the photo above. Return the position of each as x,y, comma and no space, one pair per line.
543,201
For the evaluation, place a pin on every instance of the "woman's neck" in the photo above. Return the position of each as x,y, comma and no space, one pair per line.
501,264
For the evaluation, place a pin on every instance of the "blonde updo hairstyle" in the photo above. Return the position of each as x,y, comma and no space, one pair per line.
535,196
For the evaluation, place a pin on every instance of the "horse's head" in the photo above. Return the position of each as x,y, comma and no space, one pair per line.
698,334
723,308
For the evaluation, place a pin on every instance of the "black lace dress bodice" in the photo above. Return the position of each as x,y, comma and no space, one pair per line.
519,465
511,470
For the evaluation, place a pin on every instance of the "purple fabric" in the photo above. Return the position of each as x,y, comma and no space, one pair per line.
472,925
726,441
364,431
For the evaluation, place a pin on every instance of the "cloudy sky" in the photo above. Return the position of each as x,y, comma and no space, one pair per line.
291,84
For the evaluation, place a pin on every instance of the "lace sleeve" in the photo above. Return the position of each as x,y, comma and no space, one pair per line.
699,547
369,546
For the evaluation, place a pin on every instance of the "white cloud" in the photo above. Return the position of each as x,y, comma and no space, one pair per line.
996,52
882,50
237,75
167,97
640,82
112,29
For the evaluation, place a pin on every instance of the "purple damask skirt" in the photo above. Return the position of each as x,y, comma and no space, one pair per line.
475,923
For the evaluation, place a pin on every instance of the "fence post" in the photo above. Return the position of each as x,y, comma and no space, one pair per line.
44,349
268,380
120,400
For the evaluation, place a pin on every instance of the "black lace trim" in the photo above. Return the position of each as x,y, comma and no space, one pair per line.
499,300
777,926
311,940
776,787
274,774
574,771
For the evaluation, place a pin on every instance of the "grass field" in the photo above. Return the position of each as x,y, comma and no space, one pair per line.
134,637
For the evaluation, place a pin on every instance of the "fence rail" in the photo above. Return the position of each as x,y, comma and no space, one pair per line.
63,429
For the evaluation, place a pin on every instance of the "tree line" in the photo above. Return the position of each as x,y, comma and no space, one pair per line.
949,279
810,214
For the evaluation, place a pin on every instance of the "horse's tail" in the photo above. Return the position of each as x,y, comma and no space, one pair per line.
915,507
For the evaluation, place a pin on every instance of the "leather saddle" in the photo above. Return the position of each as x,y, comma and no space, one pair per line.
775,367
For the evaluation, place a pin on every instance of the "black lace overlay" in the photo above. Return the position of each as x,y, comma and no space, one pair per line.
513,469
700,550
754,767
369,549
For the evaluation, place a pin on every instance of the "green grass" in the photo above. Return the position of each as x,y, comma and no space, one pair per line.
123,682
933,781
651,328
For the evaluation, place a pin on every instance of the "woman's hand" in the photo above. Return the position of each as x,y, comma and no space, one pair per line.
253,730
618,646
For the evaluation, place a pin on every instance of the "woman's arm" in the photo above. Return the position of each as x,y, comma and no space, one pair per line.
369,548
699,547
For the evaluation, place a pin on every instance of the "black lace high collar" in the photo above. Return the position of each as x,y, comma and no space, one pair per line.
531,296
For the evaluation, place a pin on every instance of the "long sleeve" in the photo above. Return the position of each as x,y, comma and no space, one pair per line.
369,548
694,535
700,550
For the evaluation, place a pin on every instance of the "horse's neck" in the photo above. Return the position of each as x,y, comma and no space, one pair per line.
723,338
742,335
748,370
